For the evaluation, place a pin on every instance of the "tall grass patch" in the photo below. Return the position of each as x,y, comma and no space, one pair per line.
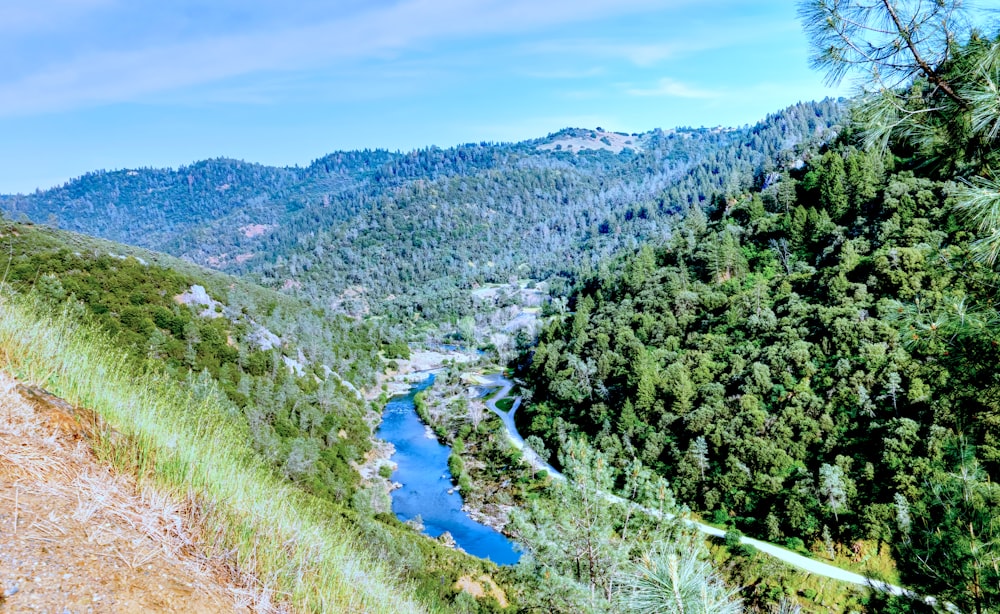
185,440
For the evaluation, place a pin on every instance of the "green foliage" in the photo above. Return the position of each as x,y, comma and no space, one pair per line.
505,404
806,390
940,109
403,234
272,444
309,424
455,464
397,349
676,582
580,542
930,91
953,550
181,437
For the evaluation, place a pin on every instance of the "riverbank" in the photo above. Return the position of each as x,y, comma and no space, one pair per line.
428,498
397,379
401,373
454,411
461,417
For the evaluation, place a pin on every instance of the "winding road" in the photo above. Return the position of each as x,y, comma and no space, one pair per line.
796,560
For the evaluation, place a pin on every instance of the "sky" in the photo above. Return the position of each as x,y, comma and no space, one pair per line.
113,84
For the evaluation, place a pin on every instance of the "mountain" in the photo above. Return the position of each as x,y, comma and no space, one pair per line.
270,376
411,233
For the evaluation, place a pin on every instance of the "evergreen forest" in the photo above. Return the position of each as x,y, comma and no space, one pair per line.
410,234
813,360
787,331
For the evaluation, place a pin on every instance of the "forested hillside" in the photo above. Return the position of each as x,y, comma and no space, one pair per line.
814,361
286,366
228,356
356,227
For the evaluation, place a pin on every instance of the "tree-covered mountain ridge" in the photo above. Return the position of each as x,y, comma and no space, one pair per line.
814,360
414,225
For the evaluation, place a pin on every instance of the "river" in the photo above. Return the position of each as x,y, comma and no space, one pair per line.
423,471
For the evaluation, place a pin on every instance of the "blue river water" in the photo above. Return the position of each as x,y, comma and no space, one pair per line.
423,471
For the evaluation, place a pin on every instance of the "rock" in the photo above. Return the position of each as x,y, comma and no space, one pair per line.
264,339
294,366
416,523
446,539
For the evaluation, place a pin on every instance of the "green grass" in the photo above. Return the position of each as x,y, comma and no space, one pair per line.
185,441
492,393
767,580
505,404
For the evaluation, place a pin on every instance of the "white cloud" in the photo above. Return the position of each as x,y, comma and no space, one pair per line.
691,38
636,53
386,32
670,88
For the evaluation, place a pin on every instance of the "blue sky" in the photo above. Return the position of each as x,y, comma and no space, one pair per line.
91,84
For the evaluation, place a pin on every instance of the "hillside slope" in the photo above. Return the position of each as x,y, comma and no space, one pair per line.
236,400
73,535
418,226
813,362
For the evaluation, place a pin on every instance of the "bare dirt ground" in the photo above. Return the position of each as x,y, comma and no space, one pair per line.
611,141
74,537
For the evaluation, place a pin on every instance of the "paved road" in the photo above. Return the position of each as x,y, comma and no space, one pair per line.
812,566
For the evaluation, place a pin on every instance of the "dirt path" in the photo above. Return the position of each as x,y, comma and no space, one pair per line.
76,538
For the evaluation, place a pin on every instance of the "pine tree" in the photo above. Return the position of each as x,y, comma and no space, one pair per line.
698,451
673,581
831,486
587,550
929,82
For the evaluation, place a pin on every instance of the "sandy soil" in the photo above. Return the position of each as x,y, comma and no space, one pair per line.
74,537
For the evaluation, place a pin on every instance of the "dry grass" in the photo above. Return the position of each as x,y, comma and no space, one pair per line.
74,534
481,588
290,545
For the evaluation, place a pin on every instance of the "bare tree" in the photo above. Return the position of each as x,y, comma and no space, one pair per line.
477,411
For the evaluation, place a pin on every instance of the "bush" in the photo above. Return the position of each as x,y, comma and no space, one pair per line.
720,517
397,349
794,543
455,465
732,538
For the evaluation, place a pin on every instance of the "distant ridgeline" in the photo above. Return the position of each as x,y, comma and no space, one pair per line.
354,228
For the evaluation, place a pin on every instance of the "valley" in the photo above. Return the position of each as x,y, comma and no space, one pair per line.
684,370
